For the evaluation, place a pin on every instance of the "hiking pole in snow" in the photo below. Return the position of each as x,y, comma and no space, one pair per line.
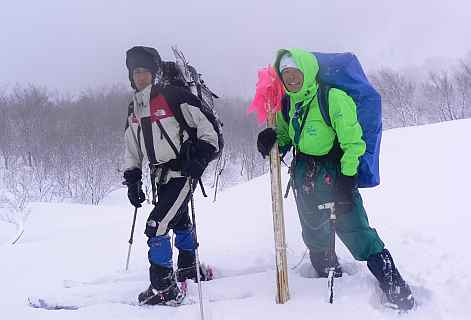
131,238
197,256
332,219
266,103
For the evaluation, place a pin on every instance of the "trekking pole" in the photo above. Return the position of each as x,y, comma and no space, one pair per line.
197,256
332,219
131,238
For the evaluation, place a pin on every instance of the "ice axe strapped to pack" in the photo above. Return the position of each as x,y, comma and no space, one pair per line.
181,73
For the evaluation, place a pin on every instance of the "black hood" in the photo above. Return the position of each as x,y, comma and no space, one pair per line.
143,57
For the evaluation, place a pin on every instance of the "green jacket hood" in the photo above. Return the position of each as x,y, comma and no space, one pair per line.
309,66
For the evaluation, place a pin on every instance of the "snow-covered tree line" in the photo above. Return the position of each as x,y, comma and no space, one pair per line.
59,149
420,97
70,148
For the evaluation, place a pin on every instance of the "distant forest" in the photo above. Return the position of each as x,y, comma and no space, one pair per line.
55,148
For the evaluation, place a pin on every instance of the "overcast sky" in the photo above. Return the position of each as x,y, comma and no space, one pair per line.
71,45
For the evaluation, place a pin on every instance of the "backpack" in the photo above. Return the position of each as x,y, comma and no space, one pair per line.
182,74
343,71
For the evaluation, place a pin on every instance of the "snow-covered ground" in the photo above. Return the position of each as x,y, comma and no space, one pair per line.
75,254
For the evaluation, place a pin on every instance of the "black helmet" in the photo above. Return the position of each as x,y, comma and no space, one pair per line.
143,57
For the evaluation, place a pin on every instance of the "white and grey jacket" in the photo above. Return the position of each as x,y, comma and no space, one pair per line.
143,137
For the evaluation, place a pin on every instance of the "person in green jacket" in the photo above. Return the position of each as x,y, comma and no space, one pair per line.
324,170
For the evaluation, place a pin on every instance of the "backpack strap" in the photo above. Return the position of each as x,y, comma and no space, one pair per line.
323,100
149,146
336,152
303,123
177,111
184,126
285,105
146,125
137,139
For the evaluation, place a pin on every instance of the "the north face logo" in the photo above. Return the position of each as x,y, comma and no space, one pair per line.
160,109
151,223
160,113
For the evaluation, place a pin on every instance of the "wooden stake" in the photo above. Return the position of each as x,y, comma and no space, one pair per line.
282,294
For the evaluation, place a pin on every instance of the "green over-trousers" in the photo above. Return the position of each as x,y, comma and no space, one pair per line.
314,184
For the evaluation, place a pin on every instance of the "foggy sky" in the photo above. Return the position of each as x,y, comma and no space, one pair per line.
74,45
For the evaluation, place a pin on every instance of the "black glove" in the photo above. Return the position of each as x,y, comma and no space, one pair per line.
195,157
133,179
345,186
193,168
265,141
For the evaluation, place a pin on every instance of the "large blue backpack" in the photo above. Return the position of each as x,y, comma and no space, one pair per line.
343,71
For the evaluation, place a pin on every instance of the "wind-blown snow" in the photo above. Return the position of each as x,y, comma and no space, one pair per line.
75,254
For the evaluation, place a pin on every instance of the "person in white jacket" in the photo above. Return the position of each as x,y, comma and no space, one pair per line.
154,135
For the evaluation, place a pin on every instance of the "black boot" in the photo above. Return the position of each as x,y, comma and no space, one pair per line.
163,288
320,262
394,287
187,268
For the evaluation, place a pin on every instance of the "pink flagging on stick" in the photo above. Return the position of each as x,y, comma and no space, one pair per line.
268,94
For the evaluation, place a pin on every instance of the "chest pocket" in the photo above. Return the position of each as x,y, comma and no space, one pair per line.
317,137
315,125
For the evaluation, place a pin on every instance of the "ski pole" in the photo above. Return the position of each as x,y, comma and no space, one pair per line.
197,256
131,238
332,219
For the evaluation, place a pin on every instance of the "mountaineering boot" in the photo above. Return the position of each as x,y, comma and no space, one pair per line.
163,288
320,262
396,290
187,268
171,297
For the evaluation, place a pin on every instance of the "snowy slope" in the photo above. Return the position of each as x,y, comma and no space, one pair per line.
7,231
75,254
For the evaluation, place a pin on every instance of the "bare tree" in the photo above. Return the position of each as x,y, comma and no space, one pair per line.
15,197
6,132
398,97
240,133
442,94
51,138
463,87
219,168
